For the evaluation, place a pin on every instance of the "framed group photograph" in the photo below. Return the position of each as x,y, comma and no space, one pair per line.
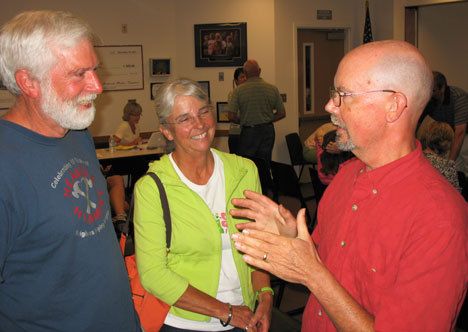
154,88
222,110
220,44
205,85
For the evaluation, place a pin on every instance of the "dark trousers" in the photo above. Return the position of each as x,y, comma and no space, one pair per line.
167,328
233,143
257,141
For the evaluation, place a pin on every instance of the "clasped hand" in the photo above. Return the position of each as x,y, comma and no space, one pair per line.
275,242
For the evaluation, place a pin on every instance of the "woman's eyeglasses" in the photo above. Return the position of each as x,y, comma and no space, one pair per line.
188,119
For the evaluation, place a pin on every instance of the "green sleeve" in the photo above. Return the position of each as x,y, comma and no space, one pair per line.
150,245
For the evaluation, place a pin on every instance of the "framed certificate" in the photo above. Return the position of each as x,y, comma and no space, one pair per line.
121,67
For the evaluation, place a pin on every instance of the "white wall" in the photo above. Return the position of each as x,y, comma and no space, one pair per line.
442,28
442,39
399,13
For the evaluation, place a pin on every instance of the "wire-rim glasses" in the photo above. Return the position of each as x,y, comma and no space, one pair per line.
336,95
188,119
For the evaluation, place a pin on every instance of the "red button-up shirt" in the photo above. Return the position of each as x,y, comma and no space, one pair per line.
396,238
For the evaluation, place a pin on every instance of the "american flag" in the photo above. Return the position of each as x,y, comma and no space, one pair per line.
367,37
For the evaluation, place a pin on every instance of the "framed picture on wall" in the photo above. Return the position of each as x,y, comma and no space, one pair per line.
220,44
205,85
160,67
6,99
222,111
154,88
121,67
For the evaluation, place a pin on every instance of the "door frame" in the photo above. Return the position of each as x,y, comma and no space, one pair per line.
296,27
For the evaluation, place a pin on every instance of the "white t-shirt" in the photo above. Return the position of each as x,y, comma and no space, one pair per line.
125,133
229,288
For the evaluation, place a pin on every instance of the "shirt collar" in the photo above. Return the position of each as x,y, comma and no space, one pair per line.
393,172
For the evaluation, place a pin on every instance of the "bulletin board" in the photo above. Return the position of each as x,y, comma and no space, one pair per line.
121,67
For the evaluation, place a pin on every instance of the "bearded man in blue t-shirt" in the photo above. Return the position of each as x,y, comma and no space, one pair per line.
60,265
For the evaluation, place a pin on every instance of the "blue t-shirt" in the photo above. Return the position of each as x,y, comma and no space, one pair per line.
60,264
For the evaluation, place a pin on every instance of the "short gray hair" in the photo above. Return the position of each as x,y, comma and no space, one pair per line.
27,41
167,93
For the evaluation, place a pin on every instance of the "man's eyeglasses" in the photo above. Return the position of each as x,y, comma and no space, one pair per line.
336,95
188,119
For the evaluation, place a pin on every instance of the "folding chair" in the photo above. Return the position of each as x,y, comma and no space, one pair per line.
295,150
288,190
266,180
287,184
319,189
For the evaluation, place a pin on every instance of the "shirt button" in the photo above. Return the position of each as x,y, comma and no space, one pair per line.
354,207
374,191
343,243
319,313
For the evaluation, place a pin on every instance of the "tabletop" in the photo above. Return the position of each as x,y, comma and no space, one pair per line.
121,152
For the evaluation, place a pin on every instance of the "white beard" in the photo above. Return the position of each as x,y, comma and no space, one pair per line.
67,113
342,143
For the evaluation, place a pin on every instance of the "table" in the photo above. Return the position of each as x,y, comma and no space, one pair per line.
105,154
131,162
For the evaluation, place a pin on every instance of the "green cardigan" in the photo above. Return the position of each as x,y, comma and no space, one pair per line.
195,254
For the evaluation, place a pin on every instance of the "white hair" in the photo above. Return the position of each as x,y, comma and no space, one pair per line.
28,40
167,93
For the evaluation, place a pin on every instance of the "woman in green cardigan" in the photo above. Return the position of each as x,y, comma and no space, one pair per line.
203,277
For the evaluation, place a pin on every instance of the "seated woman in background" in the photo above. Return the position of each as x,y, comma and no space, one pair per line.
203,277
128,132
329,157
309,151
436,141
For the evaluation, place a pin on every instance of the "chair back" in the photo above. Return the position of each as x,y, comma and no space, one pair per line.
295,149
463,182
266,180
319,187
287,184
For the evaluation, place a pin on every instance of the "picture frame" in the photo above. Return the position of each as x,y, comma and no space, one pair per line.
160,67
222,111
154,86
121,67
220,44
205,85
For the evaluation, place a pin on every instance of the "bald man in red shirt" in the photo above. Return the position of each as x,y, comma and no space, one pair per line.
389,252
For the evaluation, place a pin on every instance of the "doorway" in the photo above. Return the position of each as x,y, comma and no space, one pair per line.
318,53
